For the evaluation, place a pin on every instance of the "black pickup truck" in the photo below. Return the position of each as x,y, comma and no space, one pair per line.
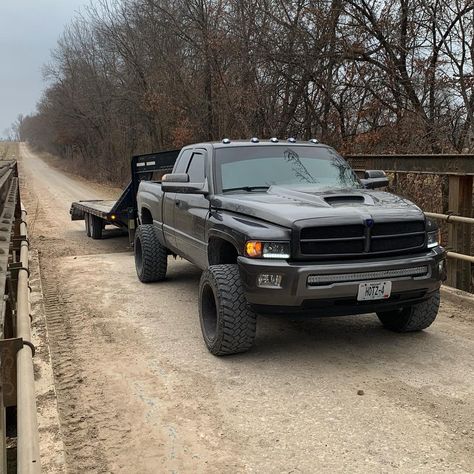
286,227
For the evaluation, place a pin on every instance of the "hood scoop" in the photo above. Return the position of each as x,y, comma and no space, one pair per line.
347,200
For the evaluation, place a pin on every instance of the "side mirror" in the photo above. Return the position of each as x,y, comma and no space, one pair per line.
179,183
374,179
175,178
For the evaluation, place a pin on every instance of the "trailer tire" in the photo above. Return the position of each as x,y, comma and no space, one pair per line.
87,221
414,318
228,323
151,257
96,225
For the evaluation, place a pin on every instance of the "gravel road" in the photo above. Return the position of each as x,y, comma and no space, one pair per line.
138,392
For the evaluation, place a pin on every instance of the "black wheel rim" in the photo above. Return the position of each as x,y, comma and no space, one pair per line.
209,312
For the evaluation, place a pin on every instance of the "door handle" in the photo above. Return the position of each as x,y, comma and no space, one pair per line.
177,203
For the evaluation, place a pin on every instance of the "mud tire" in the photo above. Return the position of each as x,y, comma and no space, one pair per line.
414,318
151,257
228,323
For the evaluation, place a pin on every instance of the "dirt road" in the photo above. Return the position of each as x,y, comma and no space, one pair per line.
139,393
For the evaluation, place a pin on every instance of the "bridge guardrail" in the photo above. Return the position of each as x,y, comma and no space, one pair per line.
17,386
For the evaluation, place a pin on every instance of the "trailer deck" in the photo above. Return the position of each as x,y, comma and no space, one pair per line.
95,206
123,213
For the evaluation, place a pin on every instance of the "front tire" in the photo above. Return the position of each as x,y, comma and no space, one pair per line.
151,258
415,318
228,323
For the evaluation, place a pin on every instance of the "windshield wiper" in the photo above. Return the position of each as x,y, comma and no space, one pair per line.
245,188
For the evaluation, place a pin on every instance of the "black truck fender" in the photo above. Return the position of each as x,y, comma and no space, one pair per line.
236,230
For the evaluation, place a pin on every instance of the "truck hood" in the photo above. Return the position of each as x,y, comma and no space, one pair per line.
286,206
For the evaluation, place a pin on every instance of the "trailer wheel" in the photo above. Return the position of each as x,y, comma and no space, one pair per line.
88,224
414,318
96,226
151,258
228,323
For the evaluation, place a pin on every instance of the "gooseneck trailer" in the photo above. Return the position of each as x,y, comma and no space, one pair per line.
122,213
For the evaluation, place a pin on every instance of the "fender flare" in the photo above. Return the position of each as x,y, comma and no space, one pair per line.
220,234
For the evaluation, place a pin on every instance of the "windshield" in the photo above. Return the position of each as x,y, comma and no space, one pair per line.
257,168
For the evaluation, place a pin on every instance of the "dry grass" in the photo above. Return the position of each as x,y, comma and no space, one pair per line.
9,150
422,189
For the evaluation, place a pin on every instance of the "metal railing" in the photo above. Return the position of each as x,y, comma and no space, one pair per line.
27,426
449,219
17,386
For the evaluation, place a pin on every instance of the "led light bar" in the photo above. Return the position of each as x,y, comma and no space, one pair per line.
402,272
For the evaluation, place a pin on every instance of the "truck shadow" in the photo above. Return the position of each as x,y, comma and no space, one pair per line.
359,338
107,235
113,233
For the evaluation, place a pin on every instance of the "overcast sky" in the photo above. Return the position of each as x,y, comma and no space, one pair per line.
29,30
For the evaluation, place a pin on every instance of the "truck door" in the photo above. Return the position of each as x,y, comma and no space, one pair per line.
190,214
169,202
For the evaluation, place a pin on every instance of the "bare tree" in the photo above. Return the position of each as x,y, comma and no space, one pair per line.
363,75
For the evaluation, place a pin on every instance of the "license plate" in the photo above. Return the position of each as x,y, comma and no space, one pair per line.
379,290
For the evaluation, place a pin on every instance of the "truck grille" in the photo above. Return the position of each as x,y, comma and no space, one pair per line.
333,232
359,240
388,228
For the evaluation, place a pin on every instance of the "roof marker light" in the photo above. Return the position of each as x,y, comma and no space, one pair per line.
254,140
274,140
292,140
226,141
313,140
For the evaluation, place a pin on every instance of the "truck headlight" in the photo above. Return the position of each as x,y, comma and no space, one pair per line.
258,249
434,238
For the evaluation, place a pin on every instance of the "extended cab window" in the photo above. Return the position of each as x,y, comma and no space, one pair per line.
252,168
182,163
196,168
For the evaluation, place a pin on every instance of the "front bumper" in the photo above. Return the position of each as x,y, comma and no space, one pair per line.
339,298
